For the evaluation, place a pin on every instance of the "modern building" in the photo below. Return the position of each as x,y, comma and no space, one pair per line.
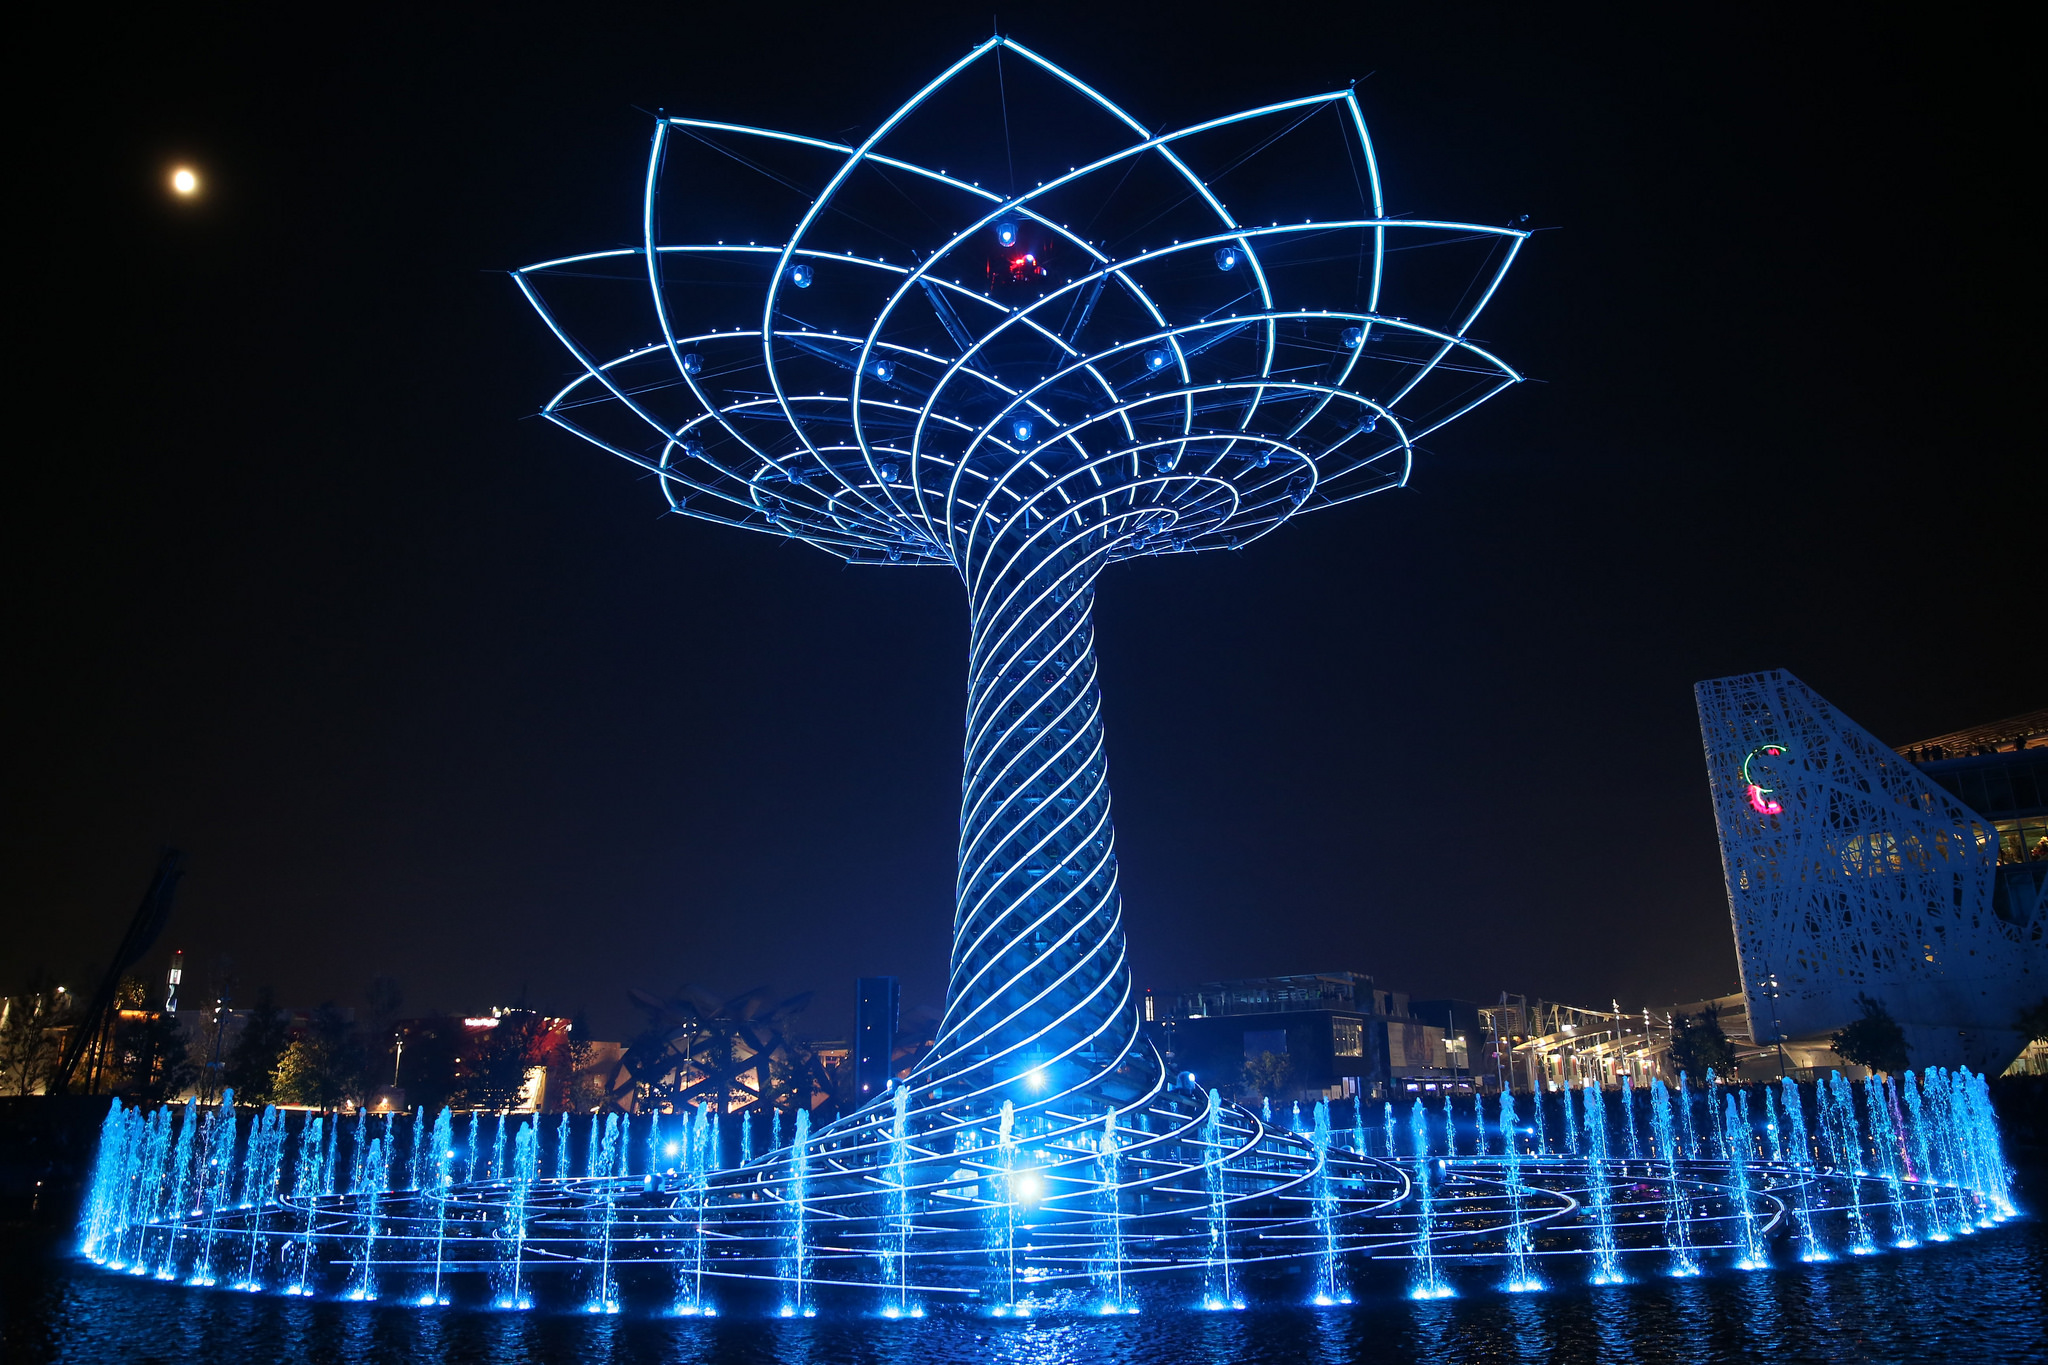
1548,1045
1332,1035
1855,869
2001,772
877,1010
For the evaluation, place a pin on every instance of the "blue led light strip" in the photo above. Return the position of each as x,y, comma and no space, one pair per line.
891,396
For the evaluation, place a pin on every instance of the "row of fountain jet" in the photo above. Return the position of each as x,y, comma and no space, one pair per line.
1048,1215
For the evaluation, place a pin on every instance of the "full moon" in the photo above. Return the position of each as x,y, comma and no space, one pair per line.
184,180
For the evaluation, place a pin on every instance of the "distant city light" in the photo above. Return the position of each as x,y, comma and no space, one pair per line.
185,180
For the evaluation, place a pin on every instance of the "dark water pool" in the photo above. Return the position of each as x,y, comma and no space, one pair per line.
1979,1301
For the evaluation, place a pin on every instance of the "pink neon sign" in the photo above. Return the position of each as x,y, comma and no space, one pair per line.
1760,795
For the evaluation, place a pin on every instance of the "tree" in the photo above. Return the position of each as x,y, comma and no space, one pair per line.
384,997
31,1040
324,1067
252,1066
494,1076
154,1058
430,1068
299,1076
1872,1040
1266,1074
1699,1045
586,1083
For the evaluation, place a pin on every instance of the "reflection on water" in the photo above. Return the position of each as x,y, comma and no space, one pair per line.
1613,1324
1979,1300
1759,1319
1530,1328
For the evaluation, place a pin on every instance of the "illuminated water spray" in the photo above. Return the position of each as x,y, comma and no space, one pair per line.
1521,1279
603,1168
1836,1104
1750,1252
1220,1290
1887,1148
796,1269
1330,1286
1600,1192
1001,1181
212,1181
1684,1260
525,1160
157,1186
1110,1261
261,1164
1429,1282
368,1194
1804,1166
440,1178
896,1246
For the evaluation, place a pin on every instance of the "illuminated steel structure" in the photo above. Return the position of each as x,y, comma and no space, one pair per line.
1099,360
1852,872
1026,386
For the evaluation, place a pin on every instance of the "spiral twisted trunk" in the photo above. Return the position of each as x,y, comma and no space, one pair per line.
1039,976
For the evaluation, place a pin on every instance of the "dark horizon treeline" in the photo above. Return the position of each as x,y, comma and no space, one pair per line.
326,1057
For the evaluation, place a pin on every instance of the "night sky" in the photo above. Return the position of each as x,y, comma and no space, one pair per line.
426,688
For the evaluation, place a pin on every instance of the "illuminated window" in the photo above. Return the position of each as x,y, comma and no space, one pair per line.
1347,1037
